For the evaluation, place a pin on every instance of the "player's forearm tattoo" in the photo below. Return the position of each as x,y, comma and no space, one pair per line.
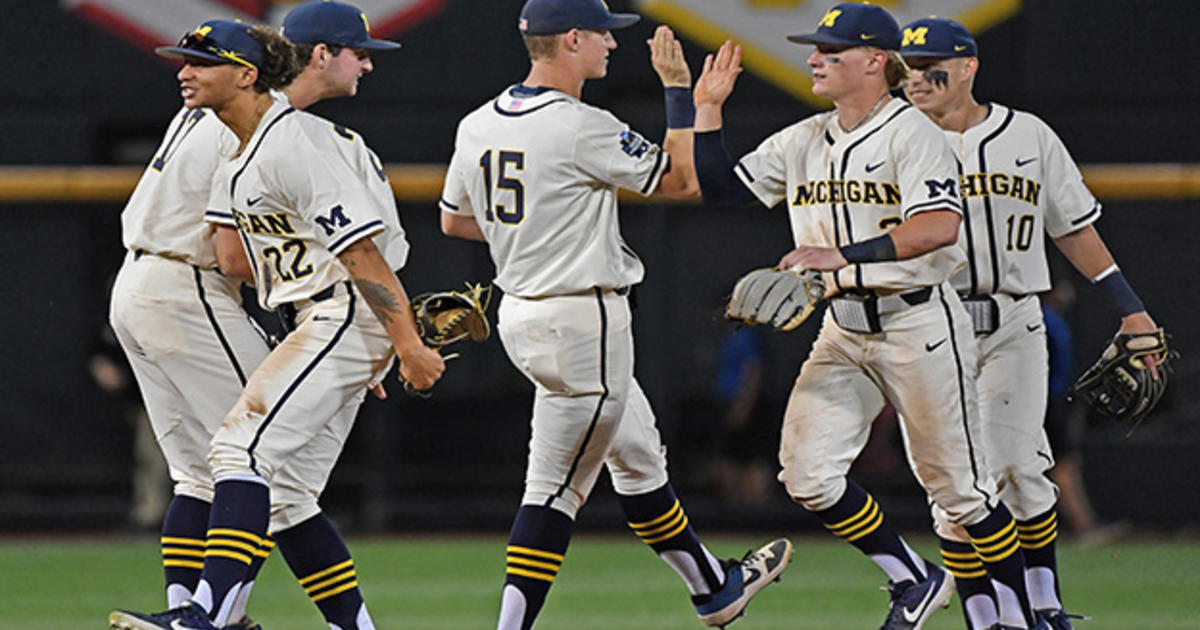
939,78
380,298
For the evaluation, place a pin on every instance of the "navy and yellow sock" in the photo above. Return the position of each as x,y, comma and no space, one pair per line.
237,530
970,581
184,528
995,540
858,519
658,519
318,557
1038,537
536,547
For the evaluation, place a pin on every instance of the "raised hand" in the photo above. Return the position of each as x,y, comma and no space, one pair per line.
666,55
719,76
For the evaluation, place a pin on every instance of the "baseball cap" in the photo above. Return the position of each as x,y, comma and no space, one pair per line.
332,23
222,41
937,37
854,24
547,17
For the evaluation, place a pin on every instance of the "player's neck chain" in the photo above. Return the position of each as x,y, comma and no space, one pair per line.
861,121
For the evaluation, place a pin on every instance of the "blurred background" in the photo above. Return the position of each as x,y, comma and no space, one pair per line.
85,105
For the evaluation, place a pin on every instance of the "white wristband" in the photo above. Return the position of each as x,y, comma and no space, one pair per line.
1106,273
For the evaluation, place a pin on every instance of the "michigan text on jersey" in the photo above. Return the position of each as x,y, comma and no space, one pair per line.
1002,184
274,223
852,190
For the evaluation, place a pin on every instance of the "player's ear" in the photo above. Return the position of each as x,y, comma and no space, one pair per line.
571,40
247,77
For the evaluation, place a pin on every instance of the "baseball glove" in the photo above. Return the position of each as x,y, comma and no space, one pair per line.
445,317
781,298
1119,385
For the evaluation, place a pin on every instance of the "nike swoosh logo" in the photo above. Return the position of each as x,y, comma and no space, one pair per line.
177,624
866,37
871,167
253,201
959,48
930,347
911,616
754,575
1021,162
1032,328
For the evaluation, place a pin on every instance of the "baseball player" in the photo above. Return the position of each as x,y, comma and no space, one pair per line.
306,217
535,174
871,189
182,326
1017,180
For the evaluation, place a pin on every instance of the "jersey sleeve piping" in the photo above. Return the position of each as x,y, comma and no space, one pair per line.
657,172
353,236
936,204
221,218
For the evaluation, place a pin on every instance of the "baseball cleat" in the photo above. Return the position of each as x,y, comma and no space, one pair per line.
743,580
1057,619
245,623
186,617
913,602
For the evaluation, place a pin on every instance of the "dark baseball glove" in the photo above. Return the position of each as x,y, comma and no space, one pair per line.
1119,384
445,317
780,298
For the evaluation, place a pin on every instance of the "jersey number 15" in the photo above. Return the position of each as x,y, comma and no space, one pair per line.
513,214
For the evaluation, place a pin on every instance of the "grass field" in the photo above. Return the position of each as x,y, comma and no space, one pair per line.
436,583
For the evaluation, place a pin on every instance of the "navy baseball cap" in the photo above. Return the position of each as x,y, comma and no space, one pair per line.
222,41
548,17
854,24
332,24
938,37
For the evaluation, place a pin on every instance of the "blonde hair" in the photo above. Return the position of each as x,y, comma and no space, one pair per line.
895,71
542,46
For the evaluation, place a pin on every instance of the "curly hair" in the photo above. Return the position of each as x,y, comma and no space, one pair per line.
280,63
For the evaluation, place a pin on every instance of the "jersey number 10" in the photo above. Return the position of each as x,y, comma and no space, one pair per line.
506,214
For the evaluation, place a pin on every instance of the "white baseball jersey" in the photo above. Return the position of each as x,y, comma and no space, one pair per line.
164,214
299,196
844,187
1017,181
540,174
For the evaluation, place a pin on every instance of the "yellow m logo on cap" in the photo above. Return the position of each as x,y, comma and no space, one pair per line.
203,31
830,18
915,36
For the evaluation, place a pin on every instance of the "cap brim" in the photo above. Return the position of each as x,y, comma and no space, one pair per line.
933,53
823,38
378,44
177,52
621,20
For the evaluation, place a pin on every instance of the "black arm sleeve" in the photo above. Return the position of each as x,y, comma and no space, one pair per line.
714,168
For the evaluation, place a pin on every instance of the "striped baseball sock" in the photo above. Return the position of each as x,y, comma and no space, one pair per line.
972,583
858,519
183,532
536,546
319,558
1038,537
237,527
995,539
658,519
243,597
